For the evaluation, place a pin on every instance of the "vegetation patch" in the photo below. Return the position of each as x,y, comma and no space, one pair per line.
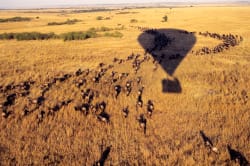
102,18
15,19
133,21
27,36
78,35
113,34
165,18
99,18
92,10
127,12
68,22
102,29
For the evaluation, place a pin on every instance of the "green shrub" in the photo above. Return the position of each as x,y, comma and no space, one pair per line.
15,19
7,36
81,35
34,36
78,35
104,29
133,21
27,36
99,18
69,22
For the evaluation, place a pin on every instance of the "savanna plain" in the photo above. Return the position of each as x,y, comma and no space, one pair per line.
142,86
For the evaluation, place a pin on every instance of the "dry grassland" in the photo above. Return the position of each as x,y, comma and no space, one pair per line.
214,94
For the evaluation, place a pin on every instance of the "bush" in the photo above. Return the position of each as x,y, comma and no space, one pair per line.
104,29
15,19
91,33
27,36
78,35
133,21
34,36
165,18
69,22
113,34
99,18
7,36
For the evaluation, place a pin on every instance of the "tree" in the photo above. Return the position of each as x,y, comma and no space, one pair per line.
165,18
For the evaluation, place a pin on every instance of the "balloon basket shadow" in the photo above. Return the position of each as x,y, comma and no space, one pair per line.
171,86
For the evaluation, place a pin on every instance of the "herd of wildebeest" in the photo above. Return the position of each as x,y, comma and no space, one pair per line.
161,40
229,40
86,81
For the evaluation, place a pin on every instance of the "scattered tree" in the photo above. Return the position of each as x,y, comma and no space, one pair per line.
165,18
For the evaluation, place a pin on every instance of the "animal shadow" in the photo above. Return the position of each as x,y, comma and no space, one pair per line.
103,157
237,156
168,47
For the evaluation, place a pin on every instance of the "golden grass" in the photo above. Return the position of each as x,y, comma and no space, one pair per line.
211,99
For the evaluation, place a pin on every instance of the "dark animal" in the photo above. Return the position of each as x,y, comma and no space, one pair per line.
103,117
40,116
237,156
103,157
37,101
84,108
25,111
78,72
117,90
102,106
5,113
128,88
10,100
150,108
138,80
142,122
125,112
140,91
139,102
208,143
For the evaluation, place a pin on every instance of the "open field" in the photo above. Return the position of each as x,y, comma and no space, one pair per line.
191,92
